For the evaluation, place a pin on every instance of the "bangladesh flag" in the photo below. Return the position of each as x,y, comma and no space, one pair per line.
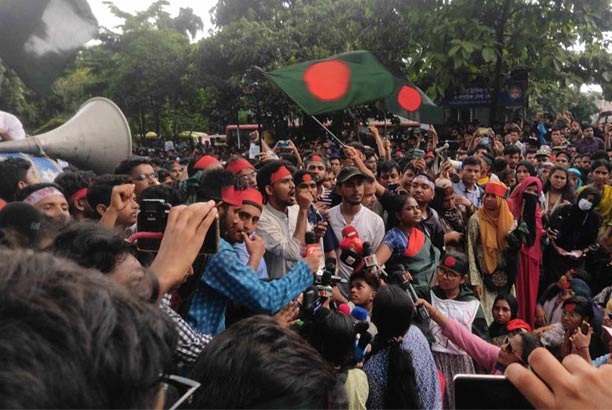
39,37
408,101
335,83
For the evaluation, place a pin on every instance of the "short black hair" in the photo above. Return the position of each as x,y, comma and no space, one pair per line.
72,181
386,166
511,149
264,175
125,167
269,367
101,190
12,170
168,193
213,182
101,347
472,160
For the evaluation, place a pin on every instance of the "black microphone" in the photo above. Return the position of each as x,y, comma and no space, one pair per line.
364,340
315,211
312,245
399,278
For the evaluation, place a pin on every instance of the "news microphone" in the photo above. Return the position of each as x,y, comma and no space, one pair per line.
312,245
359,313
344,308
399,278
369,259
317,214
351,247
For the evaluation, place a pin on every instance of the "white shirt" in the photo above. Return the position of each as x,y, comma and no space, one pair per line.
276,229
368,225
12,125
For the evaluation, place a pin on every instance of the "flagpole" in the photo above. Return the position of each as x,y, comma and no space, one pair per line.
342,144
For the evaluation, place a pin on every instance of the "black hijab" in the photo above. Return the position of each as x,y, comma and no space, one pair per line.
498,329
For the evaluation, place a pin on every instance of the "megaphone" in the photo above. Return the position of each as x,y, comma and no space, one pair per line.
97,137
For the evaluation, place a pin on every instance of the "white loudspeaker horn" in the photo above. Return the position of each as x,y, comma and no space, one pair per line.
97,137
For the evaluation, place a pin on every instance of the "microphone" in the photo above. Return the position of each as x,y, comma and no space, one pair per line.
344,308
369,259
399,278
317,214
312,245
359,314
351,247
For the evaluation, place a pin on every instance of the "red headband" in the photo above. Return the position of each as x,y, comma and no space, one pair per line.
281,173
176,165
205,161
236,166
316,158
496,188
306,178
231,196
80,194
570,307
515,324
251,196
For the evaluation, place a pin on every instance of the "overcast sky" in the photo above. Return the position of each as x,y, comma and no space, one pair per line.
105,18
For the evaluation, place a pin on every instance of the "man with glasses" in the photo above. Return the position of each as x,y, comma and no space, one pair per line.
244,171
141,172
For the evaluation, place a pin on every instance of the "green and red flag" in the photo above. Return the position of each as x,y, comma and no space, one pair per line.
38,38
335,83
408,101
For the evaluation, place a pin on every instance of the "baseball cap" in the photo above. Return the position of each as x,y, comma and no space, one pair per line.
349,172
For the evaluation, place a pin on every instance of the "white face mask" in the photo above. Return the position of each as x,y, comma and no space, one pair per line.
584,205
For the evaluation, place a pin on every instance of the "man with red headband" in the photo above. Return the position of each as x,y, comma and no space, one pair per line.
242,237
319,166
226,278
244,171
284,220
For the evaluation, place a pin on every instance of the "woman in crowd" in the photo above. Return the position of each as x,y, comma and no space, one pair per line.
524,169
452,217
573,229
600,176
456,300
557,190
401,370
406,247
333,335
505,309
487,246
574,179
525,207
493,358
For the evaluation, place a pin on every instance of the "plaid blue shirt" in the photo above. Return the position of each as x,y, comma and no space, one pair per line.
227,278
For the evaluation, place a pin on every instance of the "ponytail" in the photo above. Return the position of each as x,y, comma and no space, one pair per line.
401,391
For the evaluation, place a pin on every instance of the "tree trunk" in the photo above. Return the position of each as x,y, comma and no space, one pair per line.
500,34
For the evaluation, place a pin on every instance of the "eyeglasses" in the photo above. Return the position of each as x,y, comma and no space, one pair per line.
508,348
142,177
181,384
246,177
448,273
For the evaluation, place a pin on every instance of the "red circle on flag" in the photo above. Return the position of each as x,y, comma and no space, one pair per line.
329,80
409,98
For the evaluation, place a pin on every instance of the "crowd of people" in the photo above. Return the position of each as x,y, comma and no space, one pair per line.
366,273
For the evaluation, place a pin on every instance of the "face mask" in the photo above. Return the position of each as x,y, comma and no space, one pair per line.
584,205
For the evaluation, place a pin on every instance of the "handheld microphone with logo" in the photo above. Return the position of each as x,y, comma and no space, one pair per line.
351,247
312,245
362,336
400,279
370,262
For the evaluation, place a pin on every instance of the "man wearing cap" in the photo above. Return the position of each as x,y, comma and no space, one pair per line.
350,212
241,237
589,143
284,220
226,277
244,171
207,163
542,155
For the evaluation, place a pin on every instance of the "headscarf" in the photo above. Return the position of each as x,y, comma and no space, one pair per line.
526,208
579,174
494,227
498,329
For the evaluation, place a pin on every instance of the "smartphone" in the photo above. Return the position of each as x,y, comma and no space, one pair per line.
485,141
153,217
425,126
418,153
584,327
483,391
392,186
283,144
